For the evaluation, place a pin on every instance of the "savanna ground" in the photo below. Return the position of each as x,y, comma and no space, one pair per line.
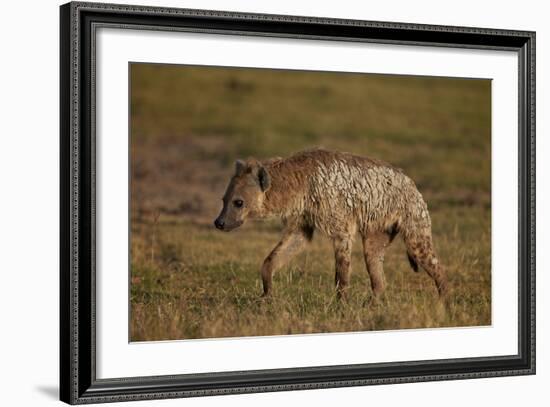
190,124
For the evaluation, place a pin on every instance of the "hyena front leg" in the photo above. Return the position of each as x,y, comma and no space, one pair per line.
374,247
342,255
292,243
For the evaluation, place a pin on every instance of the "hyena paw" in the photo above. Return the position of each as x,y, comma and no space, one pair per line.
373,300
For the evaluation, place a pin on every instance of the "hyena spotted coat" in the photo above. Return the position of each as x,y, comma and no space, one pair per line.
338,194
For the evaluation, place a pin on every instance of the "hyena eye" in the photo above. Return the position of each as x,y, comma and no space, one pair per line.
238,203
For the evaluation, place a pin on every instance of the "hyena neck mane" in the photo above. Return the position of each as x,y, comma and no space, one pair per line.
289,178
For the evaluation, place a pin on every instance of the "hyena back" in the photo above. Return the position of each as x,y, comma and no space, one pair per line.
338,194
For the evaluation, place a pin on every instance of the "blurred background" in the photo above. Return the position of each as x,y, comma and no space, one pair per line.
188,126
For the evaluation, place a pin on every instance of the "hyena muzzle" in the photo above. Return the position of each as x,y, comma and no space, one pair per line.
340,195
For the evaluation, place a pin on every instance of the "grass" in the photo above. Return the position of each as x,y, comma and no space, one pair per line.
189,124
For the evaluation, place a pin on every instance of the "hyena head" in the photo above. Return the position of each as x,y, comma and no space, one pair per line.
244,196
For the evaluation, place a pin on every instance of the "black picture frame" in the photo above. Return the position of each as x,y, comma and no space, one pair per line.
78,382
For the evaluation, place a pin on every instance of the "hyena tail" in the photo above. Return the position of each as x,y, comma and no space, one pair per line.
421,253
412,262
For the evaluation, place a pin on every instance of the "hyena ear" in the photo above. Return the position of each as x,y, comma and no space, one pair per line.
240,166
264,179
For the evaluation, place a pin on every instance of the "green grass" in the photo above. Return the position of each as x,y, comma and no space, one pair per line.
189,124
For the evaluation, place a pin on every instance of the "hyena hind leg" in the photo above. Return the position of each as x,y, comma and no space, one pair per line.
421,252
292,243
374,247
342,256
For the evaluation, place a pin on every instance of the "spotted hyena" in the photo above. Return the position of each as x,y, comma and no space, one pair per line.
338,194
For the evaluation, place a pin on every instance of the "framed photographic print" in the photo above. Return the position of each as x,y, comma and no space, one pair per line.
223,173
